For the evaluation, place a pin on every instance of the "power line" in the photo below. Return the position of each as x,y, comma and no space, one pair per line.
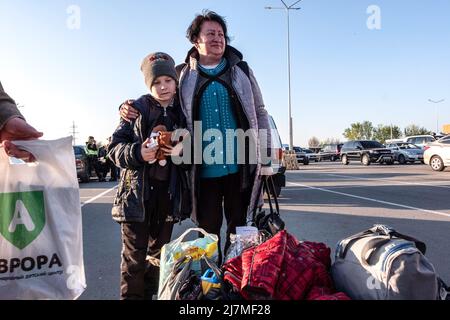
74,133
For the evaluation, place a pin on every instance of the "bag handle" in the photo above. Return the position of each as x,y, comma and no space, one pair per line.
206,234
345,244
388,231
212,266
275,198
264,187
255,206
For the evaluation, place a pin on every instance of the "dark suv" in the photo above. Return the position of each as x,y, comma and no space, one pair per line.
330,152
366,152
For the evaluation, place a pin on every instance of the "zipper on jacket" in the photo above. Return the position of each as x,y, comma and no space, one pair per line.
145,165
143,176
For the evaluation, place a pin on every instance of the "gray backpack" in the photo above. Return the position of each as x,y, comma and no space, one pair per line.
382,264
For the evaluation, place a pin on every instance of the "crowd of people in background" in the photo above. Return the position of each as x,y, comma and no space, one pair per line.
98,160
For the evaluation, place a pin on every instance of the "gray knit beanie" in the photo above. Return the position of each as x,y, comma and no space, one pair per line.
158,64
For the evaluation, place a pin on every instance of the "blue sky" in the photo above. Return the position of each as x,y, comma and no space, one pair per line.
342,72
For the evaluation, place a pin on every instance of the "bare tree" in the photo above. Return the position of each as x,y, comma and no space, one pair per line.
330,141
314,142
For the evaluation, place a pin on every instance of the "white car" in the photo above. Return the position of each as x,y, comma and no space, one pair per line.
437,154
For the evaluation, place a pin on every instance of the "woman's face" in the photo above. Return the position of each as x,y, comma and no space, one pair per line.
164,89
211,40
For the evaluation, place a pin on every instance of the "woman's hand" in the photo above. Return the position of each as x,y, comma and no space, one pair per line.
127,112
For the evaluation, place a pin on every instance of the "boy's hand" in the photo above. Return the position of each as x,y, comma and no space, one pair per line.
127,112
147,153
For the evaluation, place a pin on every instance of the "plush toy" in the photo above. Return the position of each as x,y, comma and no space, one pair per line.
160,137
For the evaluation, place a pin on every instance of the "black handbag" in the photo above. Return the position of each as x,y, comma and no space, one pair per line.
271,222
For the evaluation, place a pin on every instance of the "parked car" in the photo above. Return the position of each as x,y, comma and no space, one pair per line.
437,154
300,153
81,163
389,141
312,156
279,169
301,156
406,152
330,152
366,151
421,140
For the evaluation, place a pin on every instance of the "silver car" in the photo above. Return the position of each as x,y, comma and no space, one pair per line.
406,152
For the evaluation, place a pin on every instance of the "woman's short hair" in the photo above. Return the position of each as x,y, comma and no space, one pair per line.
194,29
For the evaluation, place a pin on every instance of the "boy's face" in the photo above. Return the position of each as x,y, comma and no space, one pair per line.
163,89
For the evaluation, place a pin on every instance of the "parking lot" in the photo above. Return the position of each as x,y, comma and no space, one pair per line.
328,201
322,202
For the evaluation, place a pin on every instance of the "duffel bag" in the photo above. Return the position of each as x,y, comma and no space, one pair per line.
382,264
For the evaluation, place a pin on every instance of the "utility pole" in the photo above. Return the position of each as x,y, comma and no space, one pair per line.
288,8
74,133
437,113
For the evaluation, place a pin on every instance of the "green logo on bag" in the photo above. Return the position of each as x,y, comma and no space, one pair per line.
22,217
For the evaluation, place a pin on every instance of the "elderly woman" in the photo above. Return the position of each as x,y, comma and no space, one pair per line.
219,94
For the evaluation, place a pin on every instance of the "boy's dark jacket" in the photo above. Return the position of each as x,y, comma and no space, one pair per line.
125,152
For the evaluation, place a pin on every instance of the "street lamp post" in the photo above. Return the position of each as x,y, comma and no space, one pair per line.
288,8
437,113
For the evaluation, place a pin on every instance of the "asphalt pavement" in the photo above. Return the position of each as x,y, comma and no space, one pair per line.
322,202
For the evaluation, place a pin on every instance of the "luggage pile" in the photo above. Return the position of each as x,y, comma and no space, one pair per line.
280,268
265,262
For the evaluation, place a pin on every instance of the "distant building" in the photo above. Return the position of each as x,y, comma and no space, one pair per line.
446,129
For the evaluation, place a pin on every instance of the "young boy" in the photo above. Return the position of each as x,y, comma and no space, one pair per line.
150,196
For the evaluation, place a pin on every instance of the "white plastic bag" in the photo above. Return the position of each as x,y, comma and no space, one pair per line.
41,247
178,248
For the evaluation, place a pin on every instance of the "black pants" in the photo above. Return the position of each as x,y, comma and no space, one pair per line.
93,164
219,196
111,167
139,279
